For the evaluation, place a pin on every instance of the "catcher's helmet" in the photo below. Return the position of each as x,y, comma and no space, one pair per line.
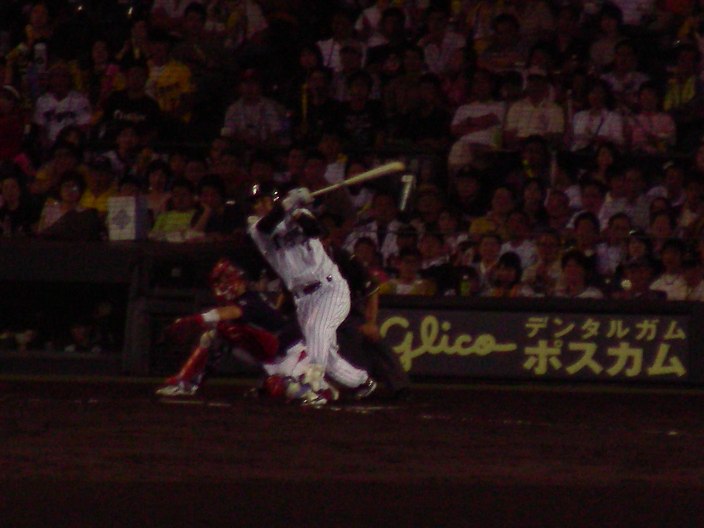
227,281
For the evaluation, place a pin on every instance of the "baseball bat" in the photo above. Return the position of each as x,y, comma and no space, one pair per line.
382,170
409,183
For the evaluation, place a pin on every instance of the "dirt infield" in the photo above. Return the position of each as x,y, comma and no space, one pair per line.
110,454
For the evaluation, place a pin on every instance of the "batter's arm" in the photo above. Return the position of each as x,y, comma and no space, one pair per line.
310,225
268,222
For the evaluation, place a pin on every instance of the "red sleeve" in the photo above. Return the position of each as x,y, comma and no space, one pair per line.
261,344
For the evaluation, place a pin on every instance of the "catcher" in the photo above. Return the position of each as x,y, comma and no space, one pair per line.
247,326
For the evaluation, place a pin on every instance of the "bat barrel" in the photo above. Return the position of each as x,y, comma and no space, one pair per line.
378,172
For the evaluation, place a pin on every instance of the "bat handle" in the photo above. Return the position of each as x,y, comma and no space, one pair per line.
325,190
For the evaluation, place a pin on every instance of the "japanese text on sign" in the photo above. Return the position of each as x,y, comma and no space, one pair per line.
564,345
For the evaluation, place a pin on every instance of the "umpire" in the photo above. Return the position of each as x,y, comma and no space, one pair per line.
358,335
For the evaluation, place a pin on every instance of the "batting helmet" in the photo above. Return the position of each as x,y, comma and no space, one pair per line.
227,281
260,190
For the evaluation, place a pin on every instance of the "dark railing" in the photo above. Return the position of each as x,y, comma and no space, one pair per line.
151,283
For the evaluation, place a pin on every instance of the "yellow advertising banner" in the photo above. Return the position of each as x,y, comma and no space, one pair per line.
539,345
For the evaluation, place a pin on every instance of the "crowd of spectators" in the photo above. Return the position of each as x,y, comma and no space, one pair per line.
557,144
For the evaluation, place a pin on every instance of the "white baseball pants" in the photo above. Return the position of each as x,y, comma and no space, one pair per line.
320,313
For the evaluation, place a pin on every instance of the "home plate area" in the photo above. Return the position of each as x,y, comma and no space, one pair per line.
113,454
349,407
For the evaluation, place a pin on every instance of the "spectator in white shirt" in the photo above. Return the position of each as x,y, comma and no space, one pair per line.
557,207
587,232
534,114
673,185
351,62
536,16
520,243
662,228
254,119
624,79
598,123
382,226
575,281
592,196
449,225
342,33
543,276
692,210
613,252
384,48
370,23
361,195
626,195
636,12
436,260
639,245
671,280
488,252
440,42
693,272
506,51
330,145
602,50
60,106
638,274
650,131
477,124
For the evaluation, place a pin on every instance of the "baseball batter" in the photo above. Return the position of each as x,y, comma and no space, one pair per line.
286,234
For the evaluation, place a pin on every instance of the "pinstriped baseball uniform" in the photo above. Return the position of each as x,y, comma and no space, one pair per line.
321,294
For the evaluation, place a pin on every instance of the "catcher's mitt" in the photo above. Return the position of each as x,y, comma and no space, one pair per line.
258,342
184,329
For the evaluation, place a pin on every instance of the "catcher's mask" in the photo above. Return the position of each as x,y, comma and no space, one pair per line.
227,281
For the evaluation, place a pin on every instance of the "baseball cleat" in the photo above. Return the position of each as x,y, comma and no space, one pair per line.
182,388
313,400
365,389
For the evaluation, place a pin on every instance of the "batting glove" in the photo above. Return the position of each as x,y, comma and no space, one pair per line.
298,197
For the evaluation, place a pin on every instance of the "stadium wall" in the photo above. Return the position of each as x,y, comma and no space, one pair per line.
442,337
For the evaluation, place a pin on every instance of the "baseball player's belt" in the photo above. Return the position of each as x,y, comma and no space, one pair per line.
310,288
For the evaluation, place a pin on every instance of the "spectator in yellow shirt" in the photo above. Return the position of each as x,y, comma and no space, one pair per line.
182,221
494,221
169,81
65,157
409,281
101,185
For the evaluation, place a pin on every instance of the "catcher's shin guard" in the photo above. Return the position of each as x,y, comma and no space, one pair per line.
194,369
275,387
